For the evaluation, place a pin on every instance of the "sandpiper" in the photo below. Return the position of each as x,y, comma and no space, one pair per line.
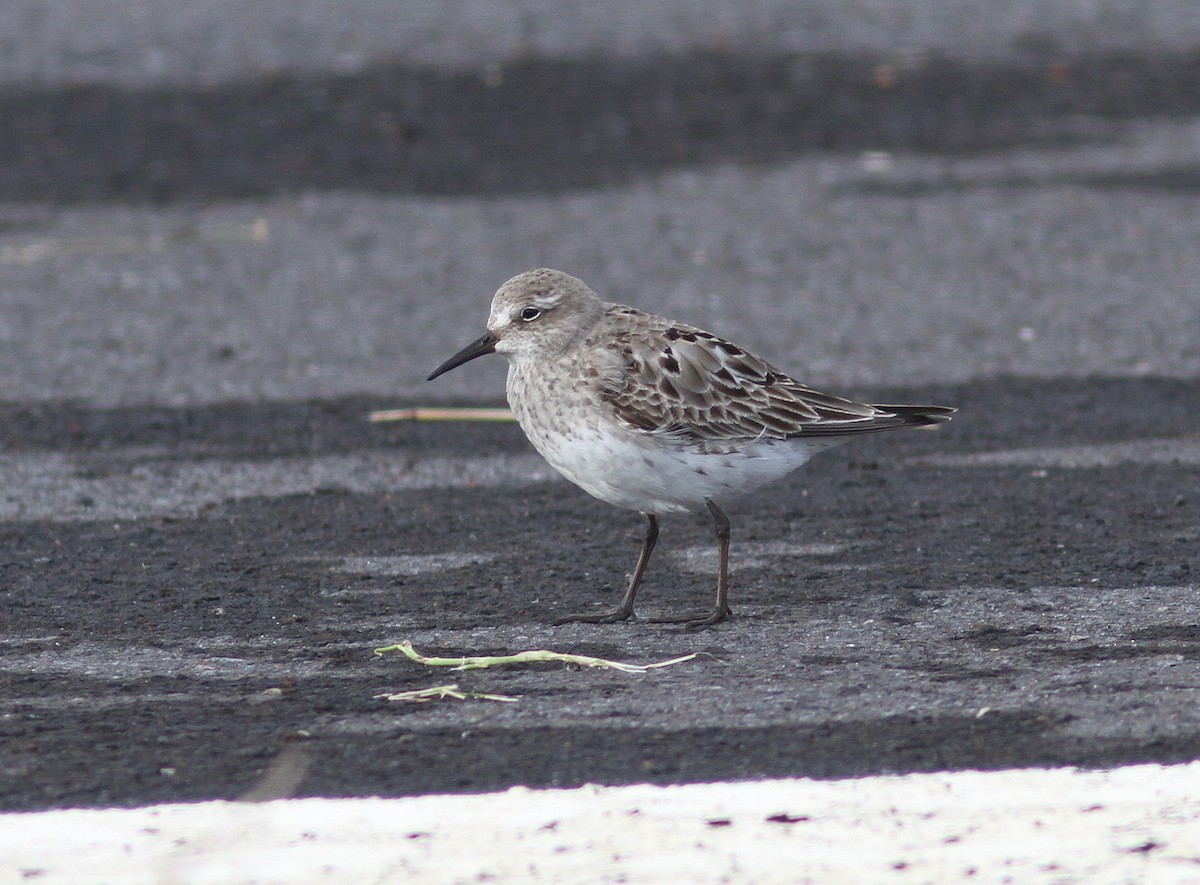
657,416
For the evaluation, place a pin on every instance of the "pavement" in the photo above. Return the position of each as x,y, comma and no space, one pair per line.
228,235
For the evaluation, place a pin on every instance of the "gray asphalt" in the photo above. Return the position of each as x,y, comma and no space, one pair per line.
209,41
227,232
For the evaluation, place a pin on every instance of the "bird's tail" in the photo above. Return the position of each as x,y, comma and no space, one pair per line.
919,416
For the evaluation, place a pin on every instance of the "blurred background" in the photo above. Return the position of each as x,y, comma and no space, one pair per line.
213,201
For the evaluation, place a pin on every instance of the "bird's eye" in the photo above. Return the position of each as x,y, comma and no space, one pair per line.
530,314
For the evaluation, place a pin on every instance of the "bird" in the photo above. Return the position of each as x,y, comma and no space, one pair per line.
658,416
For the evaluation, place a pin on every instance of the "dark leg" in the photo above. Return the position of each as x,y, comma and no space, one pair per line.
625,610
721,611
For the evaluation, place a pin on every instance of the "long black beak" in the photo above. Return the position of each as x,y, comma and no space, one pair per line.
480,346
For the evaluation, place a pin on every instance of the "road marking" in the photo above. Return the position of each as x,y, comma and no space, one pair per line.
1134,824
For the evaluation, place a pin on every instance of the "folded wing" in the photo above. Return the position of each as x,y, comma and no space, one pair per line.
670,378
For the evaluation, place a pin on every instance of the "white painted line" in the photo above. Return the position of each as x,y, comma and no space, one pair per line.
1135,824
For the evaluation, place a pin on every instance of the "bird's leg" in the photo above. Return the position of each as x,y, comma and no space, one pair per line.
624,611
721,611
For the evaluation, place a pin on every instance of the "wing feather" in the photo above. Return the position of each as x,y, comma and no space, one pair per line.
665,377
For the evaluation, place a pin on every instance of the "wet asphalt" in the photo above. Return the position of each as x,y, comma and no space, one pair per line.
213,270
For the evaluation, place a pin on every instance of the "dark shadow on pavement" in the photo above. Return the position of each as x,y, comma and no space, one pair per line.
538,125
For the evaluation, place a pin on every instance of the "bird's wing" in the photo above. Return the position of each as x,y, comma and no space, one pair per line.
665,377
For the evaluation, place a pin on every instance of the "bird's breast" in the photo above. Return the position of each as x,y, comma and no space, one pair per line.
577,433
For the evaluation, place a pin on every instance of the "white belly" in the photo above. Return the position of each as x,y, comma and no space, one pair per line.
651,473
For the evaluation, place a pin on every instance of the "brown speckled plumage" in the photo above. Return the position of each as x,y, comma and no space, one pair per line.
677,379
